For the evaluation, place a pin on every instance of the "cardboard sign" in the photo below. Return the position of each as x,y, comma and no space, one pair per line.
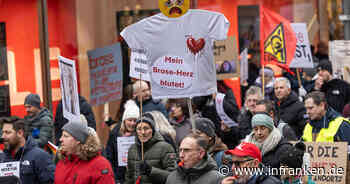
226,58
303,55
328,161
10,169
124,144
105,74
69,88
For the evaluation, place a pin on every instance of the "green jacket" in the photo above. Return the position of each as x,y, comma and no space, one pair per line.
205,172
41,127
158,154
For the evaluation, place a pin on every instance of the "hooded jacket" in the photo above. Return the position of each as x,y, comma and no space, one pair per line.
85,109
337,93
293,112
36,165
157,153
87,167
41,126
203,172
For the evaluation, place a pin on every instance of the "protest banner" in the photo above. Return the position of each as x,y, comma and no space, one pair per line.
106,80
339,51
226,58
124,144
69,88
303,55
10,169
328,161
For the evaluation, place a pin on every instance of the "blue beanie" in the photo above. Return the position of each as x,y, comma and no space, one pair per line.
262,120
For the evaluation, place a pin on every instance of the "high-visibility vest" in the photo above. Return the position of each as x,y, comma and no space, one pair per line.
326,134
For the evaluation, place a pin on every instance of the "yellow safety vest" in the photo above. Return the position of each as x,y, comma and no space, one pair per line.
326,134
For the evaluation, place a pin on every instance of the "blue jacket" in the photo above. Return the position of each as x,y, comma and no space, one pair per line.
152,105
36,165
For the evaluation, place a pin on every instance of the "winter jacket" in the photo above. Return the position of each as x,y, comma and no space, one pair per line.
87,167
272,147
60,121
244,123
41,127
337,93
36,165
182,129
203,172
293,112
217,150
112,155
263,179
287,131
158,154
343,133
152,105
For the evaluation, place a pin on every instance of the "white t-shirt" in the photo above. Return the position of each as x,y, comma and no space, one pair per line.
175,71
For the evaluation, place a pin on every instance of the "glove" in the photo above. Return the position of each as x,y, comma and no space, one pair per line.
145,169
302,92
110,121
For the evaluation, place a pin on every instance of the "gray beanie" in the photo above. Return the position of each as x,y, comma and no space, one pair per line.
206,126
262,120
78,130
33,100
148,120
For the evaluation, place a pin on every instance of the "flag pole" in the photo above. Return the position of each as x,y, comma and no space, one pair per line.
189,104
298,76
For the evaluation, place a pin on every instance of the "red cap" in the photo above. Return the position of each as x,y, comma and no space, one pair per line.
246,149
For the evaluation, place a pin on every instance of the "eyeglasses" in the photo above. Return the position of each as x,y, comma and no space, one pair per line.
186,150
238,163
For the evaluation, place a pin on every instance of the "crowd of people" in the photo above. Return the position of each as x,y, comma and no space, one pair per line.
172,145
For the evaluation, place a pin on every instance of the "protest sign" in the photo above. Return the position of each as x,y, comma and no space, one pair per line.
139,68
124,144
219,102
244,65
226,58
106,80
328,161
69,88
10,169
339,51
303,55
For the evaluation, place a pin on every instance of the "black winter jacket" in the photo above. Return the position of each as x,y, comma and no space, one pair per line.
293,112
85,109
337,93
36,165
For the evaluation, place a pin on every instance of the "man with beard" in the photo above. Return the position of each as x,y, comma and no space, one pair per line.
36,165
40,120
247,157
336,90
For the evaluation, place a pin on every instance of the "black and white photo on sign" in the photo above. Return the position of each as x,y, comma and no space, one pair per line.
69,88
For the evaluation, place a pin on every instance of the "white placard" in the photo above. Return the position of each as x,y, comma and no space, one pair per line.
303,55
69,88
10,169
124,144
219,101
244,65
139,64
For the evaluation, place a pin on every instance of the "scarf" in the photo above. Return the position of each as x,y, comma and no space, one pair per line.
269,143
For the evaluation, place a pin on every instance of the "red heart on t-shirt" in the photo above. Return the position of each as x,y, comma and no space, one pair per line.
195,45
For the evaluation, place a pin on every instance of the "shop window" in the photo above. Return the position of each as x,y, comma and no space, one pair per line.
4,89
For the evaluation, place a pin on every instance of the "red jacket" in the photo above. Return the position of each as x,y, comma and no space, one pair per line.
98,170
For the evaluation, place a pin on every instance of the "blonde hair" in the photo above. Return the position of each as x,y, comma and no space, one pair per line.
162,124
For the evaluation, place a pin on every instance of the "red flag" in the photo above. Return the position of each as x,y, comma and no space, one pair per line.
278,41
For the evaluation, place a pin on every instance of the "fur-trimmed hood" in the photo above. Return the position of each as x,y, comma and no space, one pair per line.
87,151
